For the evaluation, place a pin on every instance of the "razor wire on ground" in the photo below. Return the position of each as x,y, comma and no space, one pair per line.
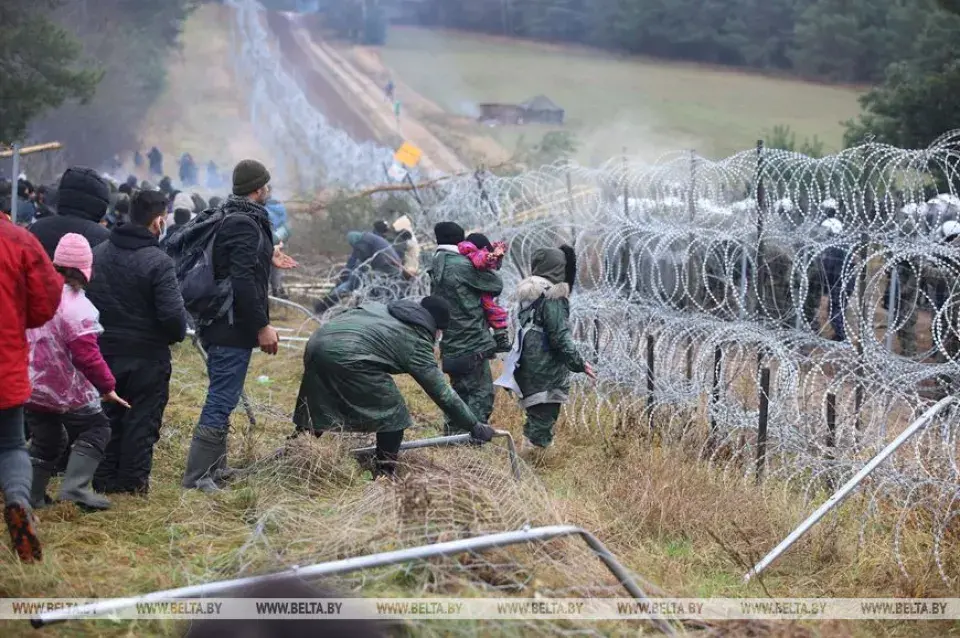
701,284
696,276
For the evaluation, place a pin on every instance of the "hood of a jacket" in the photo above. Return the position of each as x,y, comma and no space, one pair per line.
549,263
412,313
132,237
531,288
83,193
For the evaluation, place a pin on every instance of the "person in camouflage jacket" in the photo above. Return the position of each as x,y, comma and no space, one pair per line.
468,344
548,354
348,364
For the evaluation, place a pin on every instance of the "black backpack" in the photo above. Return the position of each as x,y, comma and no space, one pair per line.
191,248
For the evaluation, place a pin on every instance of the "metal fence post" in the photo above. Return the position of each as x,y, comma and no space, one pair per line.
892,304
650,385
15,182
841,494
715,395
831,431
762,425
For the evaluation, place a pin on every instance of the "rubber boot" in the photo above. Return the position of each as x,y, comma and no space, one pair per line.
207,448
76,480
223,473
42,471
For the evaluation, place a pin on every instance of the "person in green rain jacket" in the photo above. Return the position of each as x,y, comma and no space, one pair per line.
548,353
348,363
468,344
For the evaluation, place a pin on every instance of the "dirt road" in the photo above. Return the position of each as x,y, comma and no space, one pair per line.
351,100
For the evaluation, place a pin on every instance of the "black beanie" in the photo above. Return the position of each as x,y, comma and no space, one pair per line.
439,309
480,241
449,233
381,227
249,176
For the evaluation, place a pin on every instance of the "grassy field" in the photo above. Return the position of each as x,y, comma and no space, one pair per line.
683,526
647,106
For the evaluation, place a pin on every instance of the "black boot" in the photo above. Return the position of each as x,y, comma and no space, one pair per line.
42,471
207,448
82,464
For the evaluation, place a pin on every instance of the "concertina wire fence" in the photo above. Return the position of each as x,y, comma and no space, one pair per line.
697,275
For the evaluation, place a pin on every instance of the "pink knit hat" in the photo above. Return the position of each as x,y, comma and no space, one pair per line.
73,251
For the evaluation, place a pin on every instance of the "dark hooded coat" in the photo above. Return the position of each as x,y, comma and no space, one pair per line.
82,201
549,354
348,365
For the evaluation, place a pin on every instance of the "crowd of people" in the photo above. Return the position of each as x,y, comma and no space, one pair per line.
94,307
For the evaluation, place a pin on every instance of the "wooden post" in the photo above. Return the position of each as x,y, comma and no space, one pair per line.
762,425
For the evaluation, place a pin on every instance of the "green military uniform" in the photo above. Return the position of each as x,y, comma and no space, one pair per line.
467,344
348,365
549,354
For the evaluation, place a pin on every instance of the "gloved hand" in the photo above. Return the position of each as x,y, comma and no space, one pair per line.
482,432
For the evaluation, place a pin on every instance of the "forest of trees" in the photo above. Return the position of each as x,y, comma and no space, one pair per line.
834,40
84,72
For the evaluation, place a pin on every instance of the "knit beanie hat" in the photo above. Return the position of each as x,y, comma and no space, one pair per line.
439,309
249,176
480,241
73,251
183,200
449,233
354,237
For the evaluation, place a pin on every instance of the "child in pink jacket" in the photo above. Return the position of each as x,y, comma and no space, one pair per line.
485,255
69,376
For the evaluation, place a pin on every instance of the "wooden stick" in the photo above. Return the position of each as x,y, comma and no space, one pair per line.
39,148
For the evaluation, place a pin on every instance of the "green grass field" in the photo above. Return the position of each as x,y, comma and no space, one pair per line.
647,106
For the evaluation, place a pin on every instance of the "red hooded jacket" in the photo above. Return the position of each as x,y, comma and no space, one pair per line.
30,292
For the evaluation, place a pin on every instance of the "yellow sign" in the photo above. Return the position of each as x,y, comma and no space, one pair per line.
408,155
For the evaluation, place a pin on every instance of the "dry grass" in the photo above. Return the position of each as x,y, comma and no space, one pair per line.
675,521
649,107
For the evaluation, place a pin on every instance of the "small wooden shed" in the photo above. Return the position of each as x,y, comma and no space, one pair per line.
542,110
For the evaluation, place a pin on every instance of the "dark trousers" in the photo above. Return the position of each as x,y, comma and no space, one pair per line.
52,434
15,471
476,389
145,384
227,370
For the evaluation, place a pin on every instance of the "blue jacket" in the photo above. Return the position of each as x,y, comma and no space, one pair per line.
278,220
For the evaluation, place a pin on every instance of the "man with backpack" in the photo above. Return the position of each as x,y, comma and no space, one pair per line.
142,313
224,259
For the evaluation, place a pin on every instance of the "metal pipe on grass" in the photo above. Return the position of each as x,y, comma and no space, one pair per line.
450,441
840,495
358,563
